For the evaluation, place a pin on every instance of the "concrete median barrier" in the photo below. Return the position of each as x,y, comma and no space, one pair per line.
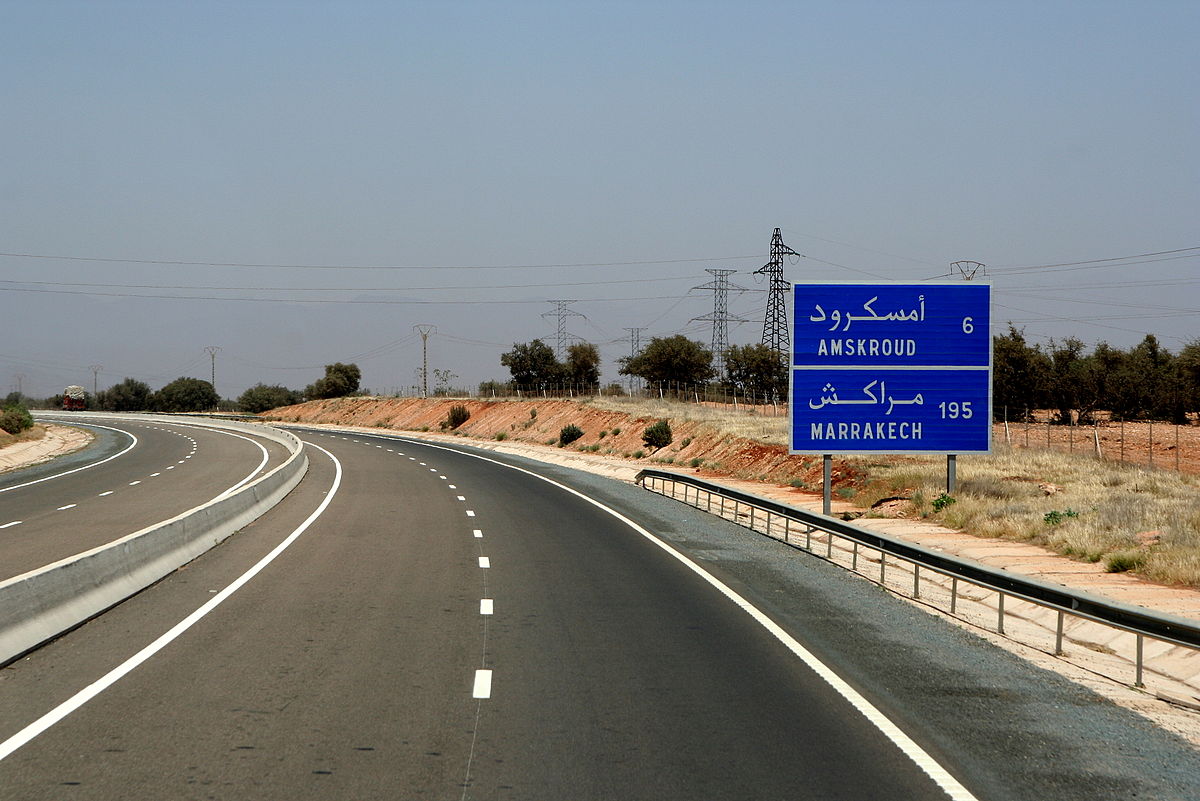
42,604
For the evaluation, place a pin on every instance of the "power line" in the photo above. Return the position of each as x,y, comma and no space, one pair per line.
180,263
201,287
1192,251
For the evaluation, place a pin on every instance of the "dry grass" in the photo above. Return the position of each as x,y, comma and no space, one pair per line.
1095,515
749,425
28,435
1074,505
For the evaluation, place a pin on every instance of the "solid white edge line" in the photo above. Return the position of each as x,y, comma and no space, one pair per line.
483,684
86,466
100,685
13,523
922,759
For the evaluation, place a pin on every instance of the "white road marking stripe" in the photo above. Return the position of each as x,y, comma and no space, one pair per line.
101,495
86,466
462,497
932,768
451,486
13,523
68,506
478,534
483,684
485,606
134,483
485,562
470,513
443,478
100,685
171,467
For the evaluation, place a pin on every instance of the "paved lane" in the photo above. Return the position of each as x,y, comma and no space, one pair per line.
365,661
48,513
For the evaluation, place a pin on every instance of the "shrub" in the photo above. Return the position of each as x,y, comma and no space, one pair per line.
1120,561
616,431
696,462
638,454
569,434
603,434
942,501
457,415
687,441
15,419
1054,517
501,435
657,435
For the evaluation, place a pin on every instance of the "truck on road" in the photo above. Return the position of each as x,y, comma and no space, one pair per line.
74,398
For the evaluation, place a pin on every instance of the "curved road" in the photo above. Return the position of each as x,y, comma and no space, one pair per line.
415,622
135,474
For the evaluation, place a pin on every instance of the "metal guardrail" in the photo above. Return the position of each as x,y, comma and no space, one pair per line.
768,517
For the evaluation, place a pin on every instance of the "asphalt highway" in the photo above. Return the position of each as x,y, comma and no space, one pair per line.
415,622
135,474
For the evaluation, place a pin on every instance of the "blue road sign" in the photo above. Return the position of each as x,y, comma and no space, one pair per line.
891,368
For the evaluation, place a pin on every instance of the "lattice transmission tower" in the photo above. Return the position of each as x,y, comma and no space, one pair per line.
775,326
720,316
562,313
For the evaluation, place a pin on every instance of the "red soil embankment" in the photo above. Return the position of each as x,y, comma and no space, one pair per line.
610,433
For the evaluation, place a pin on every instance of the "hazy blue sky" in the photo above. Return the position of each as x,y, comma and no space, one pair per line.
441,143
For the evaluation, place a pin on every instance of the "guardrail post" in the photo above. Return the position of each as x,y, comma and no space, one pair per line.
916,580
854,557
882,567
953,594
1058,635
808,530
787,528
829,545
1138,681
752,518
1000,616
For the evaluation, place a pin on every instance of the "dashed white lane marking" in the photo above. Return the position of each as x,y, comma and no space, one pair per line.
922,759
13,523
180,461
485,606
171,467
478,534
189,456
485,562
101,495
68,506
451,486
152,475
422,464
443,478
470,513
134,483
483,684
461,497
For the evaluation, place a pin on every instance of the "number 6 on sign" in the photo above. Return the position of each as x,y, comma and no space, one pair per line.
968,325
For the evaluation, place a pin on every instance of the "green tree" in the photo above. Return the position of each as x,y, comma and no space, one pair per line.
129,395
532,364
583,365
186,395
1020,373
260,397
756,370
675,359
339,380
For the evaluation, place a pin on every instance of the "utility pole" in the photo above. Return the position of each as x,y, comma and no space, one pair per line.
20,384
967,269
720,316
562,313
635,344
775,326
211,350
425,330
96,368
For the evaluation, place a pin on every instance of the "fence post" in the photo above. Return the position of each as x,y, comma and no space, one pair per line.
1151,447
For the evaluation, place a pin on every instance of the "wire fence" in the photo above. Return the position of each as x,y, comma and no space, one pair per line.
1149,444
